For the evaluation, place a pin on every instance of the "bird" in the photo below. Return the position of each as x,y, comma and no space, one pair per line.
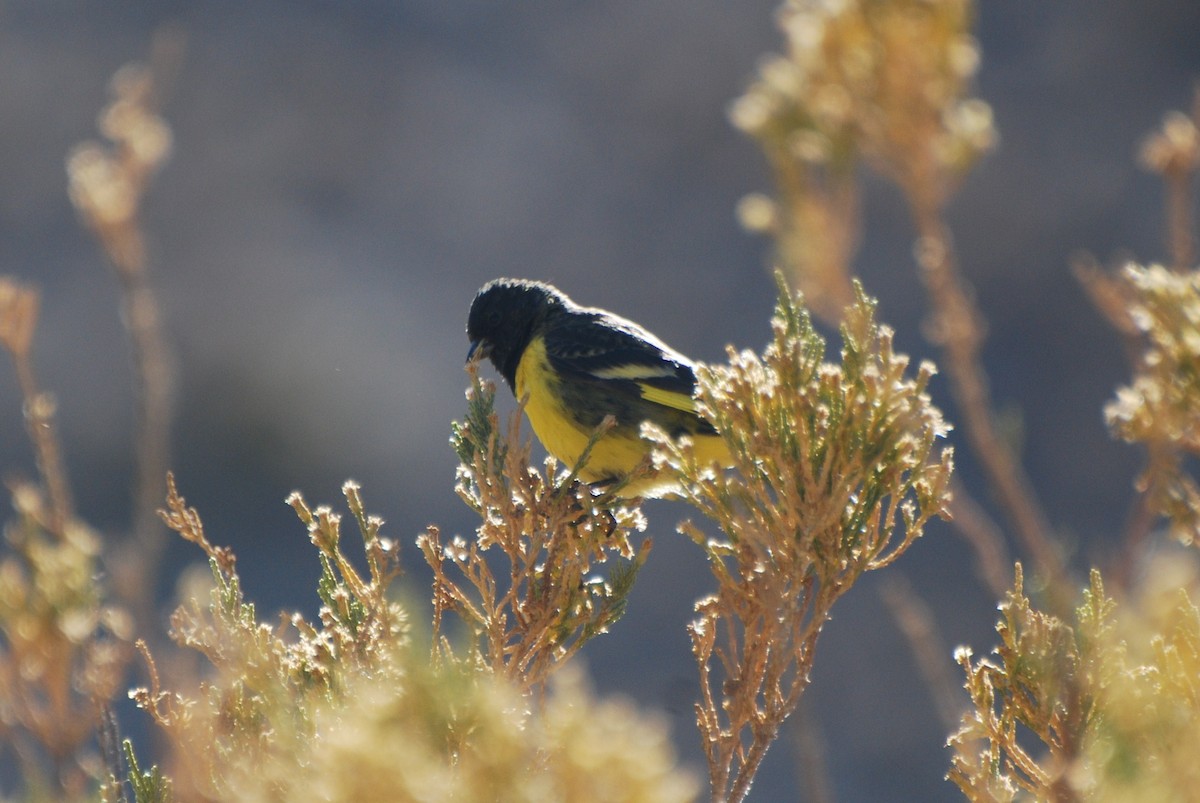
575,366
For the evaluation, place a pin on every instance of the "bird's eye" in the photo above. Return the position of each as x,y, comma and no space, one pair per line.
494,318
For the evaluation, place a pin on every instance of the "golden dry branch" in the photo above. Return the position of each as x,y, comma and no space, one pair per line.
837,471
523,584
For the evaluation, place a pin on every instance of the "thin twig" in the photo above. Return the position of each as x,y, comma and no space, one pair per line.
1178,184
39,418
1179,220
811,764
972,522
916,622
957,327
110,749
155,391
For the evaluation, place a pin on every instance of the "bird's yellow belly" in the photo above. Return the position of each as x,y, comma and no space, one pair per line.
559,431
566,437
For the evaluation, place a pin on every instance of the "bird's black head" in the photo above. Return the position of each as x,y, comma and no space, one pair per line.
504,317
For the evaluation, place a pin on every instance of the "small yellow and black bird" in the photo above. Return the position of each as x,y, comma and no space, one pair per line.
581,364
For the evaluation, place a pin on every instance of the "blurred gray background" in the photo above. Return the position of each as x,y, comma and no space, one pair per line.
346,174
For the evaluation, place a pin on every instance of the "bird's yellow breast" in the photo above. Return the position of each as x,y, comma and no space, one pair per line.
561,432
559,429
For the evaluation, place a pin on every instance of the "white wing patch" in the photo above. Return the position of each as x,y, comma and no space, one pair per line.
634,371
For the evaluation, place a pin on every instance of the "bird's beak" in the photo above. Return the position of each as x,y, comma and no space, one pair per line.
479,349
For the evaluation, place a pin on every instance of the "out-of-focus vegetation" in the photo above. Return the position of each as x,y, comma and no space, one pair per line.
1090,693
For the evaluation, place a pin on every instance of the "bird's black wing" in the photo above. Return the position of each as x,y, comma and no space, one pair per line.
621,365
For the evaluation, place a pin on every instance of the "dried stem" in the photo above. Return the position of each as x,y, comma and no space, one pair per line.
1143,512
1174,153
957,327
155,382
1180,205
811,763
916,622
107,185
39,407
1113,298
973,523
